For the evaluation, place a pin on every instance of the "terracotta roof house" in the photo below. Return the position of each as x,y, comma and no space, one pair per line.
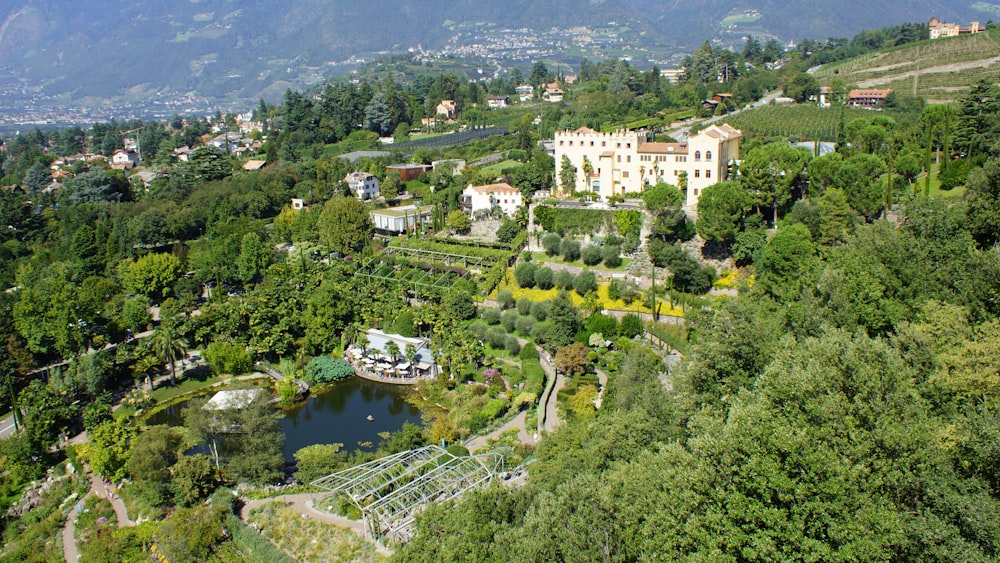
868,98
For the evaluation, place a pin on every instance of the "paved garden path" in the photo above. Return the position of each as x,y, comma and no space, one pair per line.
97,488
479,442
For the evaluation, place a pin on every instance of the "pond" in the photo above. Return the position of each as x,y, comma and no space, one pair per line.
337,415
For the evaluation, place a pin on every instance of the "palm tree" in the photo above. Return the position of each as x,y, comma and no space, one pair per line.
144,366
362,342
411,356
168,344
392,350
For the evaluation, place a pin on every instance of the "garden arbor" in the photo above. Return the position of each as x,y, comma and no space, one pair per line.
390,491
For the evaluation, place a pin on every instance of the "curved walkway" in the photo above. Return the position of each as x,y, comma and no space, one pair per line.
98,489
551,420
479,442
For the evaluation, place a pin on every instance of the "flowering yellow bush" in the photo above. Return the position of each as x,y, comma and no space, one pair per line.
732,279
602,294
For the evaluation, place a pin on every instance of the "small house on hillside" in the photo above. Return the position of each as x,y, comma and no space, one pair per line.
447,108
126,159
485,198
497,102
363,185
525,92
868,98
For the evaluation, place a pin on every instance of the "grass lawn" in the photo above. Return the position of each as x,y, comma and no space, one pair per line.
498,167
936,191
165,392
543,258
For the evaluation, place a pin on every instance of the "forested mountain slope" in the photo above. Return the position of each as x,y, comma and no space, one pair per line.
247,50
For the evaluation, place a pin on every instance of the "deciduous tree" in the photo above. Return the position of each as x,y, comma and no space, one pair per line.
345,225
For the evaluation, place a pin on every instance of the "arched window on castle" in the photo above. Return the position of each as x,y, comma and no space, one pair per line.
697,155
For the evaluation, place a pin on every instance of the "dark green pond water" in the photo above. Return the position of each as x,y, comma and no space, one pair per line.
337,415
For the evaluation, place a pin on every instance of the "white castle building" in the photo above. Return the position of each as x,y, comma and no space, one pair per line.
624,161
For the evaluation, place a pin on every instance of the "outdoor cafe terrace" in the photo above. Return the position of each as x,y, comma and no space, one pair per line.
372,362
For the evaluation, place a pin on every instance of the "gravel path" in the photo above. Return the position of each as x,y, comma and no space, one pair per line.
97,488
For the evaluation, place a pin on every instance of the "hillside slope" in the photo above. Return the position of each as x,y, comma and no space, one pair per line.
938,71
80,49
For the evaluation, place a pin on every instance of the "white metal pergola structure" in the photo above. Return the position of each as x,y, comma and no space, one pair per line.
391,490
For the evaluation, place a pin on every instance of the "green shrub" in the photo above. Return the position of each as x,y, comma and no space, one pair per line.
570,250
544,278
603,324
509,320
529,353
478,329
564,279
507,231
324,369
506,298
551,243
631,326
491,316
512,345
459,305
585,282
612,256
540,310
490,411
496,337
534,375
592,255
540,332
614,290
524,305
524,325
571,220
525,274
226,356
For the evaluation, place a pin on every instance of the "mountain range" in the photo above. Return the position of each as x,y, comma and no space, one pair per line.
95,50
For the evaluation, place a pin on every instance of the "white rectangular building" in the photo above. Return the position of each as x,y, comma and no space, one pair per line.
398,220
